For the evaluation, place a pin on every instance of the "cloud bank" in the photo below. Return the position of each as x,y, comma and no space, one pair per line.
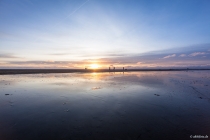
193,57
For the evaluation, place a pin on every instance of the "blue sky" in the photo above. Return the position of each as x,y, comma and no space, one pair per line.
76,33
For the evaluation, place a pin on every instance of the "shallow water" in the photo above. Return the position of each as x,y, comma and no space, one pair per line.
127,106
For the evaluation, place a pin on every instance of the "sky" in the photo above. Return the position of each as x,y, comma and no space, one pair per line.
120,33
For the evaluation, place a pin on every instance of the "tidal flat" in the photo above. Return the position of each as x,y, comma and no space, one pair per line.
105,106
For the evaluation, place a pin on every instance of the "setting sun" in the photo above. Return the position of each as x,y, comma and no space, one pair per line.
94,66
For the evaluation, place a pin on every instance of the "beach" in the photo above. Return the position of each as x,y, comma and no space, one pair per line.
44,71
105,105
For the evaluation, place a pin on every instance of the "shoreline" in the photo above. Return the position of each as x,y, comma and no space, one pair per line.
45,71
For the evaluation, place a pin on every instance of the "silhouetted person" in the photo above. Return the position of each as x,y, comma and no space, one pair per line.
109,68
123,68
114,68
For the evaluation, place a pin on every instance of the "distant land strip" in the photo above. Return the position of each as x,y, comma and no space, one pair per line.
43,71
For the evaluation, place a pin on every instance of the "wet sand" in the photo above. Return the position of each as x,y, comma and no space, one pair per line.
116,106
37,71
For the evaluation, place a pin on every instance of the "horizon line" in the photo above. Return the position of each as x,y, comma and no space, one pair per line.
46,71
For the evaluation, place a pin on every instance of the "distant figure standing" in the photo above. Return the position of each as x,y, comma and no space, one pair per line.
109,68
114,68
123,68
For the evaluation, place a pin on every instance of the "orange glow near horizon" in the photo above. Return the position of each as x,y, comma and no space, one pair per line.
94,66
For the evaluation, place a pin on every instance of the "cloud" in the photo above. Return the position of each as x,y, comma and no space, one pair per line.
70,14
197,53
77,9
182,55
118,60
36,63
169,56
59,54
139,63
8,56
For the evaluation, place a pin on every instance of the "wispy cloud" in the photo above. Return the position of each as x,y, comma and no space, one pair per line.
182,55
72,13
139,63
197,53
8,56
59,54
169,56
77,8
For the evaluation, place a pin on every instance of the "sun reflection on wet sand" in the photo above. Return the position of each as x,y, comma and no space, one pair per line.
133,105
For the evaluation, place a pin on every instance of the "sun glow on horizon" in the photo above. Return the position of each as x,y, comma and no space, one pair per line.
94,66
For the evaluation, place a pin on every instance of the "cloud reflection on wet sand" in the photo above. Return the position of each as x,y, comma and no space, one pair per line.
134,105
